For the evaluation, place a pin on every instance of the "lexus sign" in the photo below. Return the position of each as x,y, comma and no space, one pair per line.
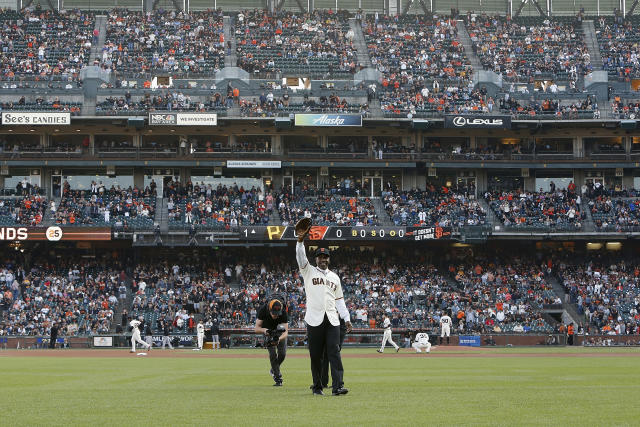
477,121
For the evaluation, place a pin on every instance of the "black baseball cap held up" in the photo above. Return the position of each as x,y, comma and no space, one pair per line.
322,251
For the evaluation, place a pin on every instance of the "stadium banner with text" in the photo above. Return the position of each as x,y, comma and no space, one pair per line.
428,233
103,341
330,232
183,119
252,164
177,340
477,121
338,120
54,233
469,340
35,119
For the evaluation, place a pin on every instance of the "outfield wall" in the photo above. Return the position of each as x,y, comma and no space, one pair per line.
240,338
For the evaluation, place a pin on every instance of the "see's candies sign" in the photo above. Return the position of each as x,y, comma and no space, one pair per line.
31,119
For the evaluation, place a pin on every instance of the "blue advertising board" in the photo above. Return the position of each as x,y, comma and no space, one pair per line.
337,120
469,340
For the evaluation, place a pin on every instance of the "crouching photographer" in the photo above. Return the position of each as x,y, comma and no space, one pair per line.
273,322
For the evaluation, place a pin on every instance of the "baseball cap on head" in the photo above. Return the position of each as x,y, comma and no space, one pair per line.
275,307
322,251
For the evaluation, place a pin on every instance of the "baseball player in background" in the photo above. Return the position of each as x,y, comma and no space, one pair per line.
422,342
387,336
148,334
445,327
135,338
200,332
166,330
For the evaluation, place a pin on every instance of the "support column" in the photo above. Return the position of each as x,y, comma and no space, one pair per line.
578,147
277,148
138,178
473,142
481,181
530,184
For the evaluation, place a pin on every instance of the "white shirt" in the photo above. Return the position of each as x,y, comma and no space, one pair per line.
322,288
387,322
422,338
445,320
134,324
200,329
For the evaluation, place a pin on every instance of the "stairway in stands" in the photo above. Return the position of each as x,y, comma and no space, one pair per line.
162,214
383,217
587,224
492,219
570,312
463,37
96,49
361,46
589,31
230,59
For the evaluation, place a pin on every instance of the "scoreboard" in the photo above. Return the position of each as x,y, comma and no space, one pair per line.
330,232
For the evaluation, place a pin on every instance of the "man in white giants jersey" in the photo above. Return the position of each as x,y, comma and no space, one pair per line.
200,332
135,338
445,327
387,336
422,342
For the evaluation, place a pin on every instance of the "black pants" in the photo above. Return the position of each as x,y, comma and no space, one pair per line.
52,341
324,336
325,358
276,357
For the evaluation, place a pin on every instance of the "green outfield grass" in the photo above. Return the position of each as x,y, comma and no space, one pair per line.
386,390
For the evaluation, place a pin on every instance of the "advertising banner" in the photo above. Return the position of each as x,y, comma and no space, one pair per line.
469,340
183,119
54,233
332,120
17,118
477,121
103,341
254,164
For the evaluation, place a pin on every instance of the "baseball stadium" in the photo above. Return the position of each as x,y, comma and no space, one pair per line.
345,212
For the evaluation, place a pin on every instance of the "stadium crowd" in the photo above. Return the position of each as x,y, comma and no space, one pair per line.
44,44
618,42
439,206
26,210
167,41
317,43
505,295
522,49
556,209
79,295
327,210
99,206
606,292
205,205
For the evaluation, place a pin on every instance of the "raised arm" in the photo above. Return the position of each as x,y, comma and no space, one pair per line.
301,255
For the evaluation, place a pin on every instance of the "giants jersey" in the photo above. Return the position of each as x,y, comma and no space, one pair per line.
387,322
200,329
134,324
422,338
445,320
321,288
